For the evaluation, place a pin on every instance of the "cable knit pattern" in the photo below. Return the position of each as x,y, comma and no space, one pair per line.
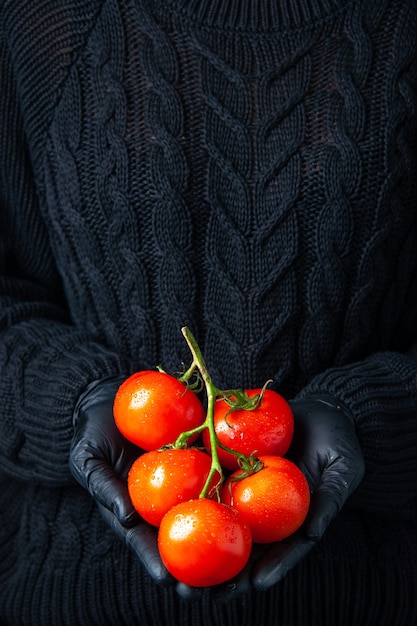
342,170
121,277
374,261
169,172
255,126
246,169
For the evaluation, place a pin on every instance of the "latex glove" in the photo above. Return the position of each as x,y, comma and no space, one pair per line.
326,449
100,458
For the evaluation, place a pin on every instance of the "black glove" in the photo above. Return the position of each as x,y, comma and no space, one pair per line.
326,449
100,459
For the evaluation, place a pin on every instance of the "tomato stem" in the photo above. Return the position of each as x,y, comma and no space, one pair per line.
189,373
236,398
182,439
212,393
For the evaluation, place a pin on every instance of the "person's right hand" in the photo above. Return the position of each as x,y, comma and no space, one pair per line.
100,459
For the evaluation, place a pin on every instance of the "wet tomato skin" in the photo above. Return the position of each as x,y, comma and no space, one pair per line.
204,542
267,429
152,409
274,501
160,479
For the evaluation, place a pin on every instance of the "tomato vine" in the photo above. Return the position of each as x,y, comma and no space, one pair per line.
237,399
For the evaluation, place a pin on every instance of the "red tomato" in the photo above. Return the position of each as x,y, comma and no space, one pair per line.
160,479
203,542
152,409
267,429
273,501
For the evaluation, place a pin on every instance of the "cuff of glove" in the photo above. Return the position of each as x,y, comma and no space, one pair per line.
327,400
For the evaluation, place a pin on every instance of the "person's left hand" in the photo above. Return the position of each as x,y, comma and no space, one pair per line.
326,449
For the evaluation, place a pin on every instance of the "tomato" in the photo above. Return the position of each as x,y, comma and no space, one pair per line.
203,542
273,501
160,479
152,409
268,429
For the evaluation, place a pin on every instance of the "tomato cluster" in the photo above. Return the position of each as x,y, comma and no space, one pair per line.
210,502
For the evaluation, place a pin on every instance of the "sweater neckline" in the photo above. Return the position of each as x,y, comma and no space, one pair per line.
251,15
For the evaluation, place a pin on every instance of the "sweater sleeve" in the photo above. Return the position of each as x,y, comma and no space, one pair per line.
381,392
45,362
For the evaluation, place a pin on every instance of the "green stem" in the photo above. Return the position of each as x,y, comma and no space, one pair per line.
198,359
189,373
242,459
215,468
212,393
181,441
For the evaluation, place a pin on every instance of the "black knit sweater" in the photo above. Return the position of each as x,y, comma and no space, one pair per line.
246,168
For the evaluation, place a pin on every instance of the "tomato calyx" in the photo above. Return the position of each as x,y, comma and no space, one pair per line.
238,399
248,465
196,385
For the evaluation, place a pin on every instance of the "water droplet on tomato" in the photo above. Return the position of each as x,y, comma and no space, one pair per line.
139,398
158,477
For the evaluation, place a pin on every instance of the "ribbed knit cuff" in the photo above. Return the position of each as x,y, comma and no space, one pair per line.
37,433
381,393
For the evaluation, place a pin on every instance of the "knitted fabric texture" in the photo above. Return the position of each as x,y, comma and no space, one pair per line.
248,170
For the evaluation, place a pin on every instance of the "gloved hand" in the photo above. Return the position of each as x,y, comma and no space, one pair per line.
326,449
100,458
